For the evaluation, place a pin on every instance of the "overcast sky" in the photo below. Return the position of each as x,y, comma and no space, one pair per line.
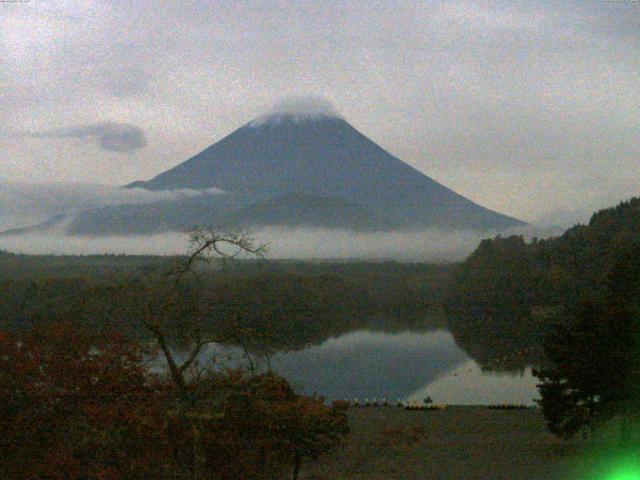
530,108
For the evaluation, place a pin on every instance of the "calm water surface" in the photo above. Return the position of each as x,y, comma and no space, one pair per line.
406,365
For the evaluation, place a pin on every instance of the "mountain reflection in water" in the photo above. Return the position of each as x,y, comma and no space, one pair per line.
407,365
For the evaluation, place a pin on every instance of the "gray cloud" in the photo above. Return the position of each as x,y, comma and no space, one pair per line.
300,108
110,136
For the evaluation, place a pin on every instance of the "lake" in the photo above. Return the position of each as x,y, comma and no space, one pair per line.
407,365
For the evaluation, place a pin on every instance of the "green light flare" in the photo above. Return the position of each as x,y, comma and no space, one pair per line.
619,467
608,461
625,472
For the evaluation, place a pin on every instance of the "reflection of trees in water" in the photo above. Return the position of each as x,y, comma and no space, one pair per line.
498,337
274,312
284,332
283,312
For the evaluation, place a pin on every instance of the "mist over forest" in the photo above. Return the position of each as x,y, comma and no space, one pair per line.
430,245
30,204
295,243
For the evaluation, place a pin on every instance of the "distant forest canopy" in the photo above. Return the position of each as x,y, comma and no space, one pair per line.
509,292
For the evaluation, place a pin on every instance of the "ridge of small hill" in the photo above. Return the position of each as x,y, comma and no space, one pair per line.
553,271
44,227
307,211
508,294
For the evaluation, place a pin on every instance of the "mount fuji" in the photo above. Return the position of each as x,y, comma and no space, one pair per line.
299,165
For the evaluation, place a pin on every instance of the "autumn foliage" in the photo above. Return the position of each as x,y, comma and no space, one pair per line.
79,406
265,426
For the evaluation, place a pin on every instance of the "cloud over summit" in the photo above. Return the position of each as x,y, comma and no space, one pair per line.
299,108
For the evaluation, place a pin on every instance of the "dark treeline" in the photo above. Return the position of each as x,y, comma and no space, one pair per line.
509,293
287,304
594,357
16,266
76,405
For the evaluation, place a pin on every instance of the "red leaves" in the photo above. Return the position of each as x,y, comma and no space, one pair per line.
73,406
280,424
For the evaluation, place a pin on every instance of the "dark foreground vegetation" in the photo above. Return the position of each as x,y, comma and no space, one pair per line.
84,404
80,406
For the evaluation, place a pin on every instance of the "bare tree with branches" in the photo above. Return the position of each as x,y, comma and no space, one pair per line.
163,296
161,302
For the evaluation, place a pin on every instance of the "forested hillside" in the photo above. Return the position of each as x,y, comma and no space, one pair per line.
547,272
508,292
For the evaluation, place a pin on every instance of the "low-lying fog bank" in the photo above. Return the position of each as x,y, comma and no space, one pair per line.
24,204
297,243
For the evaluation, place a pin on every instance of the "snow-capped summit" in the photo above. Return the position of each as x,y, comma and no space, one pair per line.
297,109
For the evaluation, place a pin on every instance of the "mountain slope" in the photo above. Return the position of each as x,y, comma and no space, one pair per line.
326,157
151,218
